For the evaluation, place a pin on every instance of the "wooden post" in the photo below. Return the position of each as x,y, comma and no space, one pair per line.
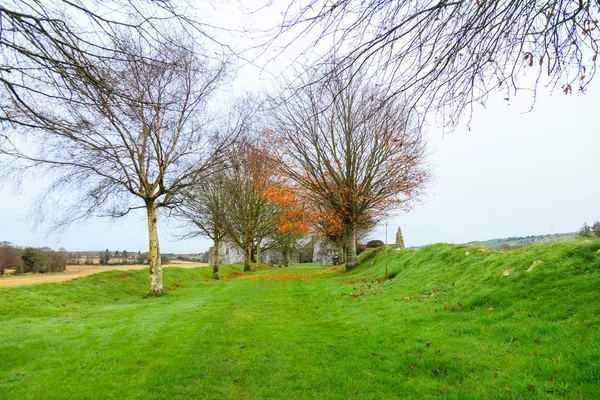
386,252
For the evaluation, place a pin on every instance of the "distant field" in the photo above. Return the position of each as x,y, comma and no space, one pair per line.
76,271
456,322
526,240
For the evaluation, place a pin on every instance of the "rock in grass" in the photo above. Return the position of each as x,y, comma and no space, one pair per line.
535,264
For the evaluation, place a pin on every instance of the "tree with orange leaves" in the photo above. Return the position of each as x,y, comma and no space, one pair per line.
250,212
290,220
351,148
327,224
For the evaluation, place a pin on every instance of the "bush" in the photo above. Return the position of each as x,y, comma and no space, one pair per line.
142,258
587,231
360,248
9,256
164,259
104,257
375,243
55,261
33,260
36,260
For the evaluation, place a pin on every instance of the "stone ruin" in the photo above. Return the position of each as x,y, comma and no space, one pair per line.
400,239
312,249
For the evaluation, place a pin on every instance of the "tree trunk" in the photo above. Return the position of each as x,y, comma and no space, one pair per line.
215,259
258,253
351,259
247,258
156,287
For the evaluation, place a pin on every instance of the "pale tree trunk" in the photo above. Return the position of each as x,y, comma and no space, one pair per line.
156,286
247,257
215,259
351,259
258,253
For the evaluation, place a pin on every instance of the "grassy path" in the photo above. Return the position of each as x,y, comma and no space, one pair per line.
305,333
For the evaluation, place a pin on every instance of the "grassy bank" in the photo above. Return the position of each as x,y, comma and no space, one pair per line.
455,321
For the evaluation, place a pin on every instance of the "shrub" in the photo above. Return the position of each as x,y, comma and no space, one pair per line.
55,261
596,229
9,256
36,260
360,248
585,231
164,259
33,260
142,258
104,257
375,243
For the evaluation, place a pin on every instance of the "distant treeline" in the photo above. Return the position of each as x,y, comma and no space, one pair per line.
587,231
108,257
20,260
525,240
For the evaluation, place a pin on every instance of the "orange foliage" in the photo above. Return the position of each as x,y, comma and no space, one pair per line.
292,216
283,277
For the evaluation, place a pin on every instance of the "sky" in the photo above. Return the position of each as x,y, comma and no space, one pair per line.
513,173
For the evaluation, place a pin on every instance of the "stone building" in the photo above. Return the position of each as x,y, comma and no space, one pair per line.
311,249
229,253
325,252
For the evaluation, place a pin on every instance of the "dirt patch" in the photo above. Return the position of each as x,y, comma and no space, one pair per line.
289,277
76,271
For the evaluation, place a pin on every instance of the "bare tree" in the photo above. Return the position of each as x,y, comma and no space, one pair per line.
204,207
448,55
286,242
350,150
41,39
8,256
140,134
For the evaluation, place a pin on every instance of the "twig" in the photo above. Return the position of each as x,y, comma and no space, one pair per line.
511,340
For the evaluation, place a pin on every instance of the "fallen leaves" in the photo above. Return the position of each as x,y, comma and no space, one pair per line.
282,277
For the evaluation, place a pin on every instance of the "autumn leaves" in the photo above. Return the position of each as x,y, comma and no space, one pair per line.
352,153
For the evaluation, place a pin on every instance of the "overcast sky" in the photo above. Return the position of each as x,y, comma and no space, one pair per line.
515,173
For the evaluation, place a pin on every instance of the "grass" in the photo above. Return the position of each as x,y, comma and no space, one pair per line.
449,324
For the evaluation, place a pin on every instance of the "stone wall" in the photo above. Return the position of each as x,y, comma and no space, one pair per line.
229,253
310,249
271,257
325,252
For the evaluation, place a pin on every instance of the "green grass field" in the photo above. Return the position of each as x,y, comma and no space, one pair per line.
448,325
